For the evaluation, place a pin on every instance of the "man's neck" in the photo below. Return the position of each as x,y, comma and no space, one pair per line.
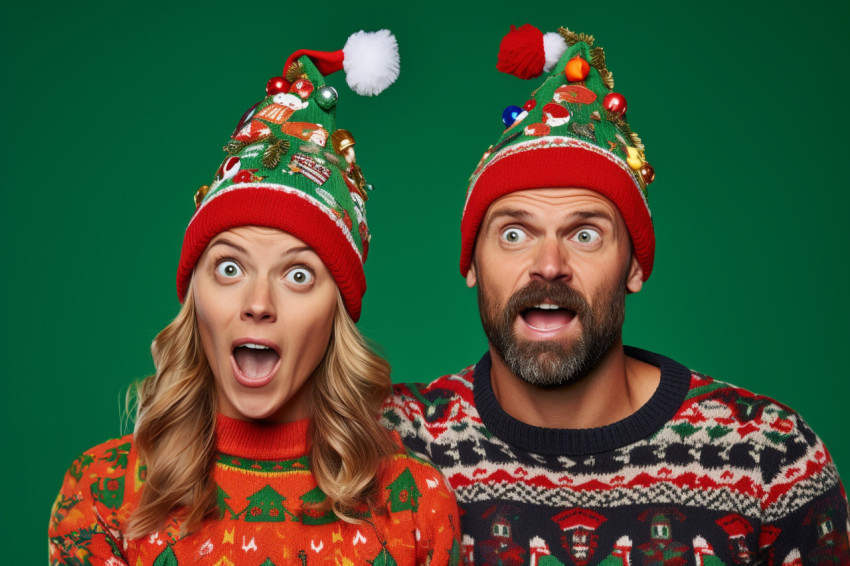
615,389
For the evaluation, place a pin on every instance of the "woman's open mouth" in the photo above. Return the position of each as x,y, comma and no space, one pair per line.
254,362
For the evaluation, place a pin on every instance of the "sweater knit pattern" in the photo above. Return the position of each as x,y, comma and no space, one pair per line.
704,473
266,509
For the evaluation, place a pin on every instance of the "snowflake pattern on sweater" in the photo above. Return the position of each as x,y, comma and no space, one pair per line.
266,496
704,473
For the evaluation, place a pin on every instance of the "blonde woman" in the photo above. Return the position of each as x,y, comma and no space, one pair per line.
257,441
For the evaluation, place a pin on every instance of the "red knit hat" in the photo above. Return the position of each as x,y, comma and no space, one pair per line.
289,167
572,133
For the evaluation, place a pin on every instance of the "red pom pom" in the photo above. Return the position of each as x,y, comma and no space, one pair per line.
521,52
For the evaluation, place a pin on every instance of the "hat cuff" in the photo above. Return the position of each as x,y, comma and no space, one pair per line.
559,162
284,208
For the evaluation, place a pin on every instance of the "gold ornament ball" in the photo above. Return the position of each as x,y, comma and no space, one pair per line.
341,140
200,194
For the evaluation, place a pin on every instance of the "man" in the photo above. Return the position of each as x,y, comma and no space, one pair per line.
562,445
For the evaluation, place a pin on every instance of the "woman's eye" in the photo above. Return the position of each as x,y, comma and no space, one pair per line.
300,276
513,235
228,269
587,236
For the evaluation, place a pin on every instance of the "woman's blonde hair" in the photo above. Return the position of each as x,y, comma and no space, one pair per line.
175,424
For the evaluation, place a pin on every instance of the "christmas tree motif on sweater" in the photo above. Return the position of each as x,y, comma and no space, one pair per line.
704,553
310,515
500,548
224,507
266,506
579,538
384,558
166,558
404,495
662,550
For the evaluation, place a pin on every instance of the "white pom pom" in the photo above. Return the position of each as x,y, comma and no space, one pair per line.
371,61
553,46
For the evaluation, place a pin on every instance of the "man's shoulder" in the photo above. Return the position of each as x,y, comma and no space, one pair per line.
728,413
423,412
458,384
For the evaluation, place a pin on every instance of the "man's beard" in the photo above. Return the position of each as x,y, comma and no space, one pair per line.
551,363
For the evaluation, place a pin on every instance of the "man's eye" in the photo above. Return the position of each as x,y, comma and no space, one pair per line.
300,276
513,235
587,236
228,269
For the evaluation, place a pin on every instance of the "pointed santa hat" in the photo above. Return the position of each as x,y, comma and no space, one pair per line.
289,167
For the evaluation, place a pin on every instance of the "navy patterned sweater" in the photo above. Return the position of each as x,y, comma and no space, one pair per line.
704,473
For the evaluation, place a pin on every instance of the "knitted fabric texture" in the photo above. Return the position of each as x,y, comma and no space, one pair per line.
265,492
289,167
572,133
704,473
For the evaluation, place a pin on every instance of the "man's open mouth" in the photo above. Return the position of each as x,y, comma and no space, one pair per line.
255,361
547,316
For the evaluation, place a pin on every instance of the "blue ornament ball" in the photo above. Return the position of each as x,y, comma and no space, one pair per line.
510,114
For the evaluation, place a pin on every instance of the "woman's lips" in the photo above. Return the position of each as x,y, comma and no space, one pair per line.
254,362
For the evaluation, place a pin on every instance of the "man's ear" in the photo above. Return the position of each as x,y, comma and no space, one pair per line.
471,277
634,279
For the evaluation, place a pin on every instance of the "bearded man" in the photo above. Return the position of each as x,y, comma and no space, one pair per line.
562,445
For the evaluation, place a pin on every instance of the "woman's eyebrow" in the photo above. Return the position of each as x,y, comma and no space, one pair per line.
229,243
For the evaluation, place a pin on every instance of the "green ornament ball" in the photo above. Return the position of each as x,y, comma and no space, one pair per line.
326,97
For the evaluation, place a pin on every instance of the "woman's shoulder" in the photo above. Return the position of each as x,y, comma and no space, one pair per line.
101,487
410,475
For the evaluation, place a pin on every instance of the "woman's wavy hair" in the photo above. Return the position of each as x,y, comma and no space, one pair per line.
175,425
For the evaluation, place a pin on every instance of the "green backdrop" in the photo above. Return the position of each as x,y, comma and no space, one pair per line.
113,114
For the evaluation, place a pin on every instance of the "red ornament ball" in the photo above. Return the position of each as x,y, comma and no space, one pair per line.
647,173
615,102
277,85
529,105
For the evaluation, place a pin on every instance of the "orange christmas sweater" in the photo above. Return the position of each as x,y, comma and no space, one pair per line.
266,515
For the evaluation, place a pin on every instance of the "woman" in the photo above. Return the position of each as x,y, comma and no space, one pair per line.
257,441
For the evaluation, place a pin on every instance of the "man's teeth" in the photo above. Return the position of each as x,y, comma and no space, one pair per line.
546,307
254,346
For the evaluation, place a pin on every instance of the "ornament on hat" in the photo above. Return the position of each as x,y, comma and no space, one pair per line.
289,167
572,132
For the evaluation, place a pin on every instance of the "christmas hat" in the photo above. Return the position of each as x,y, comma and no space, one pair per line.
289,167
572,133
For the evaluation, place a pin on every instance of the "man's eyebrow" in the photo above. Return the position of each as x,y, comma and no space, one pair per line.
590,214
515,213
225,242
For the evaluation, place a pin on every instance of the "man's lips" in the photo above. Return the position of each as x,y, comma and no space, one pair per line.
547,317
254,361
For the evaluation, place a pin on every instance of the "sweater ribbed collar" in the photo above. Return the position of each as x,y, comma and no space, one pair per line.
261,441
661,407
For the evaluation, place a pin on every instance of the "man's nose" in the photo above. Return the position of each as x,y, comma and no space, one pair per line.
551,260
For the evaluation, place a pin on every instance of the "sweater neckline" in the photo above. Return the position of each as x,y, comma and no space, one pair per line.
261,441
660,408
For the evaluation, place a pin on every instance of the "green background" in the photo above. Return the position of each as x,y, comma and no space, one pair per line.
113,115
